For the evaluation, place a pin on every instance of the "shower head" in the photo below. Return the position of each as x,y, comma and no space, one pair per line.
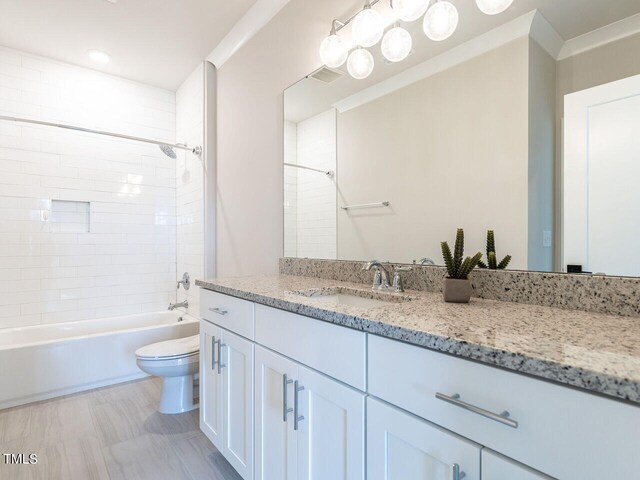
168,151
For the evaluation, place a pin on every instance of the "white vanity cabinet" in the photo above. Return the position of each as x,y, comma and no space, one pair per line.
498,467
226,395
401,447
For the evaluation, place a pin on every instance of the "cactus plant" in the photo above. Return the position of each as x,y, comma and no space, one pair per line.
492,259
457,267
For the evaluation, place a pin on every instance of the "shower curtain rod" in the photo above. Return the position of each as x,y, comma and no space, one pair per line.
195,150
328,173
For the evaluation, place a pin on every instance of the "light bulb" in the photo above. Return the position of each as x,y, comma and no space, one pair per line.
410,10
367,28
493,7
360,63
333,51
396,44
440,21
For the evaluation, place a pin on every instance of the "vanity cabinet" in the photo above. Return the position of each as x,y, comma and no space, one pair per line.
401,446
498,467
226,378
326,440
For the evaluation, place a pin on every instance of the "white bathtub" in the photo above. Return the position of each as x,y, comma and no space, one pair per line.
45,361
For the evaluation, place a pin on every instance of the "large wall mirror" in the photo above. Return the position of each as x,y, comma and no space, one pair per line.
526,123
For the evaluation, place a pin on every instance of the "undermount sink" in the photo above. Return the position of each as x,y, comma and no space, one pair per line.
352,297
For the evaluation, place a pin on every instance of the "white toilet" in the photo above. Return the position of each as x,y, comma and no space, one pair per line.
176,362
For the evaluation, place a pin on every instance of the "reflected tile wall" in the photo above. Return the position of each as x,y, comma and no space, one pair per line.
125,263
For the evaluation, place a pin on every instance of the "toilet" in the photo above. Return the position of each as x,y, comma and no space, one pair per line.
176,362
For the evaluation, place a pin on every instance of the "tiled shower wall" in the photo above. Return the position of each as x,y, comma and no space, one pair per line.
55,266
190,186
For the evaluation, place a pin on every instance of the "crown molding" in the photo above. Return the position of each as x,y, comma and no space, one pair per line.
251,23
607,34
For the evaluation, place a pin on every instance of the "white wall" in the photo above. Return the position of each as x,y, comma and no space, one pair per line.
190,104
126,263
290,190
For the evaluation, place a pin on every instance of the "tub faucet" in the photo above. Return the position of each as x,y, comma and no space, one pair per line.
173,306
381,277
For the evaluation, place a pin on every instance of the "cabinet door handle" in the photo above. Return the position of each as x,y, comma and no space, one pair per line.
286,381
296,404
457,474
502,418
220,364
219,311
213,353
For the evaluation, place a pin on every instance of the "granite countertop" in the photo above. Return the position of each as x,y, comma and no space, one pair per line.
592,351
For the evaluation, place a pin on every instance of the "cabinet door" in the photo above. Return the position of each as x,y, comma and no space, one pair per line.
330,428
401,446
499,467
276,445
210,384
236,355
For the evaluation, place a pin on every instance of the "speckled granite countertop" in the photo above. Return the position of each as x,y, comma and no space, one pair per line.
592,351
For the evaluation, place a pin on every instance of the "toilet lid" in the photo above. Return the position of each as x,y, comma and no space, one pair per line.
180,347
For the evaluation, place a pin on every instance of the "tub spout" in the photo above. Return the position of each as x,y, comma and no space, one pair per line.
173,306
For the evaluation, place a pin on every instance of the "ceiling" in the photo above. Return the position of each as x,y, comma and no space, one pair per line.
570,18
158,42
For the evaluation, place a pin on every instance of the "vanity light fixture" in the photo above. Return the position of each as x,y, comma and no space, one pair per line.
368,27
396,44
360,63
440,21
493,7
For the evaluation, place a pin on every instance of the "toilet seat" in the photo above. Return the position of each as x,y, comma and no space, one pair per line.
180,348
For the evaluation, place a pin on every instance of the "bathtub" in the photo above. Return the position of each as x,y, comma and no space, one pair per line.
46,361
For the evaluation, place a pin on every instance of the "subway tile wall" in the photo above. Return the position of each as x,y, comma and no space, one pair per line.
126,262
190,186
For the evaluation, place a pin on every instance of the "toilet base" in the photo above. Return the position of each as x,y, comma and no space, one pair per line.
177,395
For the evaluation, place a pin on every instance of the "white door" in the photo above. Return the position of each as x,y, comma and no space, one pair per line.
276,446
236,357
401,447
330,427
498,467
210,384
601,168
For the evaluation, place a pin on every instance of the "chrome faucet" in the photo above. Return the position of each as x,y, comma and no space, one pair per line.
398,284
173,306
381,277
425,261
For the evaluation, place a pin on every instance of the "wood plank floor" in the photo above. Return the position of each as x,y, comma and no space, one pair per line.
110,433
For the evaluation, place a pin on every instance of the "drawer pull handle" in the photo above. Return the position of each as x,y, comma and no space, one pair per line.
457,474
296,404
213,353
501,418
219,311
286,381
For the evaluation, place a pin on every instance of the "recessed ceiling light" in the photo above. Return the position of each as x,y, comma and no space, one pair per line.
112,1
99,57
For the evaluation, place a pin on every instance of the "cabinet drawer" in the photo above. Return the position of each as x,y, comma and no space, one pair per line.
234,314
336,351
561,431
498,467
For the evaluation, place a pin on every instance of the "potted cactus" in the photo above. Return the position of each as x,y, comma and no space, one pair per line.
492,259
457,287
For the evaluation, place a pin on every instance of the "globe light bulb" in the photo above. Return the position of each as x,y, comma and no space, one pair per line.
410,10
396,44
360,63
440,21
367,28
493,7
333,51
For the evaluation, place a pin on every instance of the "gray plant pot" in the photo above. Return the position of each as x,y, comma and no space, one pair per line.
457,290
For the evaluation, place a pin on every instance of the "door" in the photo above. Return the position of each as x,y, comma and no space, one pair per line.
499,467
330,427
276,445
601,167
210,384
401,446
236,357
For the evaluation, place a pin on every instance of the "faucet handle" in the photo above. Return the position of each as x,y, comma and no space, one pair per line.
398,285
